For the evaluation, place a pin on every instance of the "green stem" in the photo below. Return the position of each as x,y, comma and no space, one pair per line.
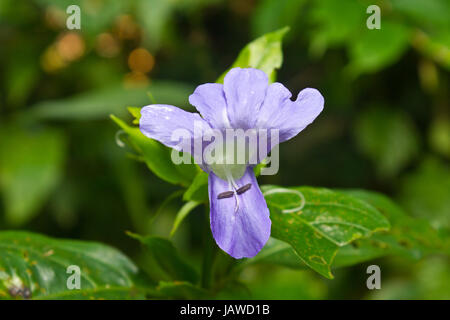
209,254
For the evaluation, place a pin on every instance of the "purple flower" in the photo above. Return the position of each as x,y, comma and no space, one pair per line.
239,215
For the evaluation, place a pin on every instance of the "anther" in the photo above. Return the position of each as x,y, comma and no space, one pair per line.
243,189
226,194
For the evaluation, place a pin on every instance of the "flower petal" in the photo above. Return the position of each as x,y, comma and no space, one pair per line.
244,232
290,117
172,126
209,100
245,90
277,96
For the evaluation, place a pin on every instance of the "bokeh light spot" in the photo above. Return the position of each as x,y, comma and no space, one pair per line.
140,60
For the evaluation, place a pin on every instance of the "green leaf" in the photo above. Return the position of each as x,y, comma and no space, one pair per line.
180,290
22,74
167,258
264,53
276,252
274,14
409,237
158,157
106,293
156,17
39,263
369,50
316,222
430,13
388,137
439,137
100,103
182,213
375,49
136,113
332,28
198,190
31,165
425,192
434,47
278,284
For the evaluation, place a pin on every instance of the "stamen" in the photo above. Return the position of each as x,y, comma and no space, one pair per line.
232,183
236,206
226,194
243,189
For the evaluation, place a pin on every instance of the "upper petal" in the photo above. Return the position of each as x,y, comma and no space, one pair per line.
209,99
289,117
245,90
244,232
172,126
277,96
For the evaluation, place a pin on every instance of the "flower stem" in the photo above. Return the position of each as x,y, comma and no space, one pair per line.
209,254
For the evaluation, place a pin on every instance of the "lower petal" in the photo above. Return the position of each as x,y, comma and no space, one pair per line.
240,231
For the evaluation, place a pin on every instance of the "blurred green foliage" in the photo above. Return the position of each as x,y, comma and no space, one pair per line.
66,170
